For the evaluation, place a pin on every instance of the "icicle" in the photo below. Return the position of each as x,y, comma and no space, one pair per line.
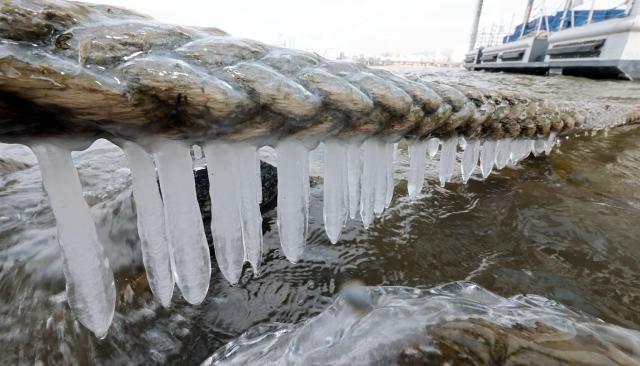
503,152
462,142
487,157
551,141
539,146
390,157
151,223
191,263
432,146
447,160
367,191
293,197
91,292
470,159
354,172
335,175
226,220
246,168
381,179
417,167
519,150
196,152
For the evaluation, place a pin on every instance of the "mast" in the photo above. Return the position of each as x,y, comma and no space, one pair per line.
593,7
567,7
527,16
476,22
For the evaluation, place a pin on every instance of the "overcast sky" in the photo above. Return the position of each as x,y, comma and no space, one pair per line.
353,26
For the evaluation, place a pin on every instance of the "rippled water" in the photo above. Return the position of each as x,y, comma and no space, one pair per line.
564,227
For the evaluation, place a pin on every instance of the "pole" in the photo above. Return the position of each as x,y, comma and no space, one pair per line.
567,7
593,7
527,16
476,22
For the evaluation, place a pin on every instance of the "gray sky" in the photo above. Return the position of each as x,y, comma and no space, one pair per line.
353,26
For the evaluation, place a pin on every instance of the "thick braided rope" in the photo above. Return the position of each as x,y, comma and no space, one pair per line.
110,69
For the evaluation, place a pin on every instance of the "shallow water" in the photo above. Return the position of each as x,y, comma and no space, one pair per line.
564,227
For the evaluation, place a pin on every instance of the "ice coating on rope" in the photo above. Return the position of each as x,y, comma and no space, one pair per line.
190,259
335,189
354,172
293,197
370,167
417,166
470,159
487,157
447,160
90,287
432,146
151,224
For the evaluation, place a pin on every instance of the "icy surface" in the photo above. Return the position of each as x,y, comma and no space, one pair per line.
385,325
151,223
190,259
354,173
335,189
91,292
487,157
417,166
293,197
447,160
470,159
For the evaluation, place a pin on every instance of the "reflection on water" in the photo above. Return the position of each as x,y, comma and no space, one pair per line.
564,227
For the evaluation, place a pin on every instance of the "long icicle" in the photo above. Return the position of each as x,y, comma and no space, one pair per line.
487,157
226,224
380,178
151,223
293,197
91,291
390,158
335,175
503,152
354,173
367,191
417,167
470,159
249,182
447,160
190,258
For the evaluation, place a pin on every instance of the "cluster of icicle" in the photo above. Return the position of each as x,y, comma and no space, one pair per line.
358,180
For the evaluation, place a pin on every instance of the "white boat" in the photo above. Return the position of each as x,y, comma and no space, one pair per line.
605,47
